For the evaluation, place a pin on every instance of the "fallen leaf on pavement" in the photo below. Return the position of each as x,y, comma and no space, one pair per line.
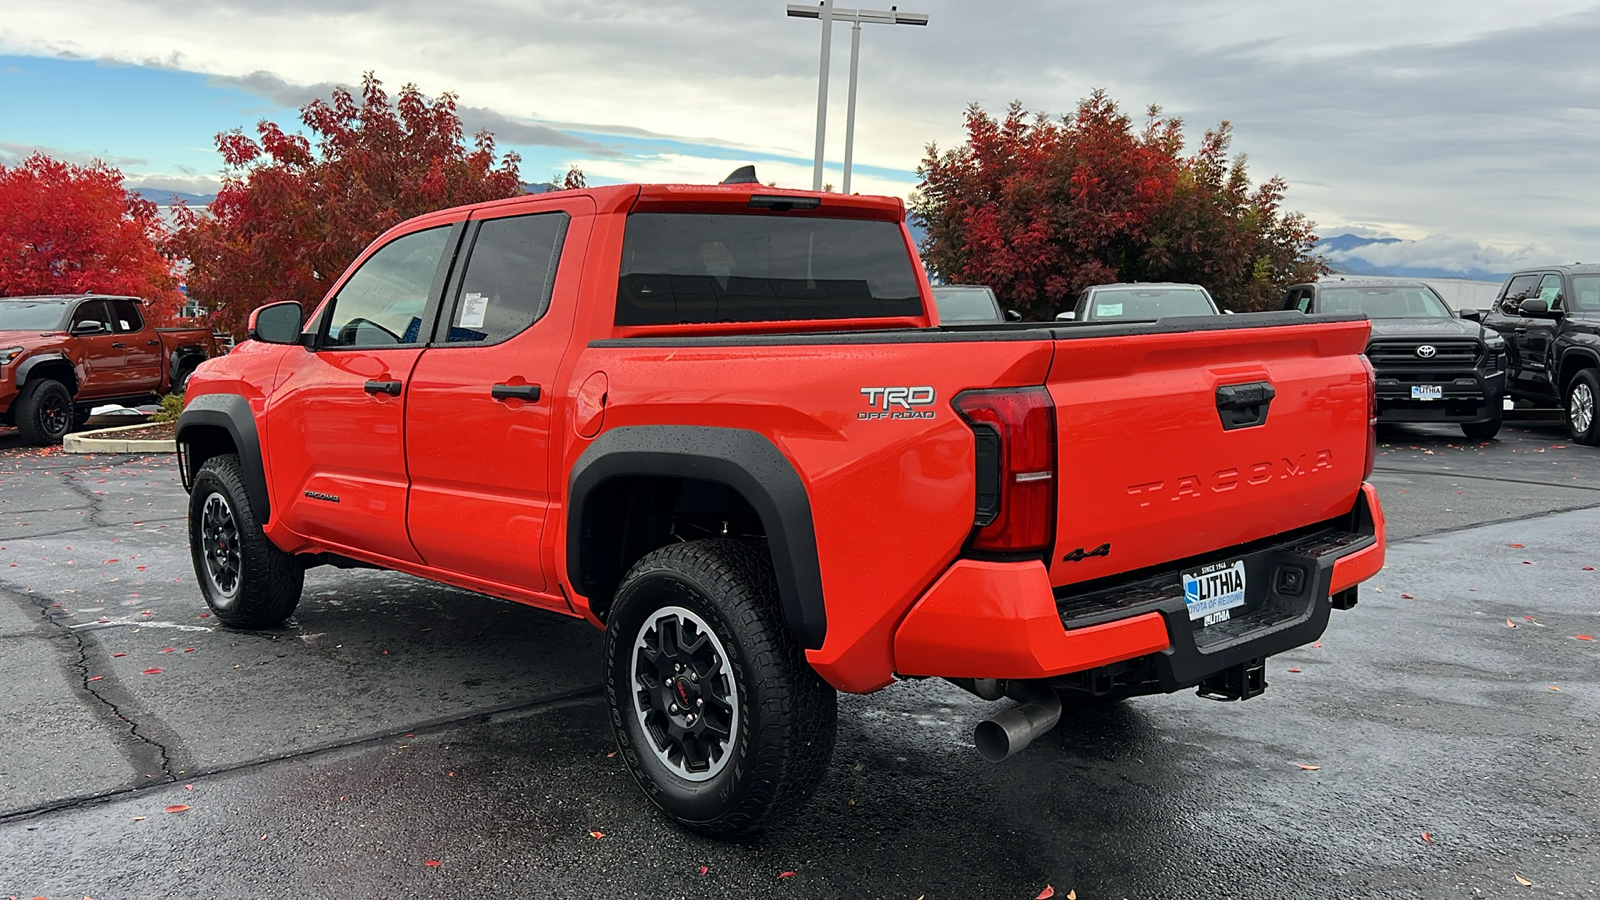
1294,670
168,649
1523,881
786,874
1554,688
151,672
1588,568
1510,624
1584,637
119,654
1047,893
176,808
1527,562
1427,837
96,677
138,818
1306,767
704,869
432,862
1517,546
597,835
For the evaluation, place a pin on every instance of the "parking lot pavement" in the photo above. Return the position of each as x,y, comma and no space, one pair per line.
1427,748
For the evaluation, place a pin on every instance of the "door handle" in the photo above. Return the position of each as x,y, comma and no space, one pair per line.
151,343
119,344
528,392
384,387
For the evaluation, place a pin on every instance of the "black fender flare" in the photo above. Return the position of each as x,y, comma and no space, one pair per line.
181,355
1586,352
31,362
231,413
746,462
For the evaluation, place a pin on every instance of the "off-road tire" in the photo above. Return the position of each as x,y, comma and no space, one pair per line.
44,412
1582,407
230,550
786,713
1483,431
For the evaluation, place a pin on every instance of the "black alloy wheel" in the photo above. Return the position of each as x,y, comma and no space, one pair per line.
44,412
718,715
246,580
219,541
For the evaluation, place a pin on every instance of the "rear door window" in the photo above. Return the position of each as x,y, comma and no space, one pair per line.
1550,290
683,268
125,318
509,275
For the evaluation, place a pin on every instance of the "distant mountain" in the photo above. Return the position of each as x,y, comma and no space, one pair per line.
169,198
1343,252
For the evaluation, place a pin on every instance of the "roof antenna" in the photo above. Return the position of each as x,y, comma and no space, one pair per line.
742,175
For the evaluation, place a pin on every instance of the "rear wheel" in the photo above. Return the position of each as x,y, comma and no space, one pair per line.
247,581
1582,393
719,717
1483,431
44,412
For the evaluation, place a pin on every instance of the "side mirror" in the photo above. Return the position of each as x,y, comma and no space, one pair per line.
1535,308
276,323
1013,316
1068,316
1470,314
89,327
1227,312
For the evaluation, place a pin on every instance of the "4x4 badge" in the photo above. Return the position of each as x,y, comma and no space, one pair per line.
1426,351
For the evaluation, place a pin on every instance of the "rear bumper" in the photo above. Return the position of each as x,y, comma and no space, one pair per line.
1002,620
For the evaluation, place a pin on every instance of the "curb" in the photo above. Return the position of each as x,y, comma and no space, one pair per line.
94,442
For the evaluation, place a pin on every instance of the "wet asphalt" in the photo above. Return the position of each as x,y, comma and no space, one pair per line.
401,739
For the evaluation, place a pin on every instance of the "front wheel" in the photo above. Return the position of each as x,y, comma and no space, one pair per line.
44,412
247,581
1582,393
719,717
1483,431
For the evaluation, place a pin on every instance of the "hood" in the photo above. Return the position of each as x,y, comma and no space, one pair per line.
1427,329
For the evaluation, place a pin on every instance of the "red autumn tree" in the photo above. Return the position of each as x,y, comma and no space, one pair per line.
289,219
1040,208
67,229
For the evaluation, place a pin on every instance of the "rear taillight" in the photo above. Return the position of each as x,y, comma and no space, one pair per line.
1014,433
1372,420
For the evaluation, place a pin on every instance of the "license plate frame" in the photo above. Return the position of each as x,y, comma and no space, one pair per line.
1427,392
1214,589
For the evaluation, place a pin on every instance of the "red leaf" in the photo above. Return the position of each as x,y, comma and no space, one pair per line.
205,615
168,649
188,649
1584,637
597,835
1517,546
96,677
704,870
1427,837
1510,624
1527,562
1588,568
151,672
119,654
1046,894
1407,597
176,808
432,862
786,874
1296,671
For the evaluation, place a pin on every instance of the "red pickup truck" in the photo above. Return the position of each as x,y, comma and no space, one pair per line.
61,355
724,424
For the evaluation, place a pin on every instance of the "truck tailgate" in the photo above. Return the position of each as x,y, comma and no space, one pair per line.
1160,456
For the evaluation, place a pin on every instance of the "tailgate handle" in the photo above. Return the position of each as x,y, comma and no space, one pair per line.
1244,405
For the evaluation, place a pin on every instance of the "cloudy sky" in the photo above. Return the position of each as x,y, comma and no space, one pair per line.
1468,128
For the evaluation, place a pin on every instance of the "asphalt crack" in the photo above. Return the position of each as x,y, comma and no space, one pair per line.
146,748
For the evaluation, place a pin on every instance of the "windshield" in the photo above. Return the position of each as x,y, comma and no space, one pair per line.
1385,302
960,303
695,268
33,315
1148,303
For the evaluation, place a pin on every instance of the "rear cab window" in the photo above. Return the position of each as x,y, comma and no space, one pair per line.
683,268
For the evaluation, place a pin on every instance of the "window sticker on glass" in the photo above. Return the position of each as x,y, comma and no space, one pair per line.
474,307
1109,309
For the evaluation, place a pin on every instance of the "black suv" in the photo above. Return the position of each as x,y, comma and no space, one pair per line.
1551,319
1431,365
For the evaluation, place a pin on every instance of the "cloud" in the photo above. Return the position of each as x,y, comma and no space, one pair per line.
155,186
11,154
1470,118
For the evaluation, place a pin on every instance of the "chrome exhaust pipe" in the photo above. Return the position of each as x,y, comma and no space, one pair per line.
1010,731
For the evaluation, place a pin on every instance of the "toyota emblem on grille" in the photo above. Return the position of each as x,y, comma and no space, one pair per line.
1426,351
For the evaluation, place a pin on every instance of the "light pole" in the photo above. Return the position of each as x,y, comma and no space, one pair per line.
827,13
